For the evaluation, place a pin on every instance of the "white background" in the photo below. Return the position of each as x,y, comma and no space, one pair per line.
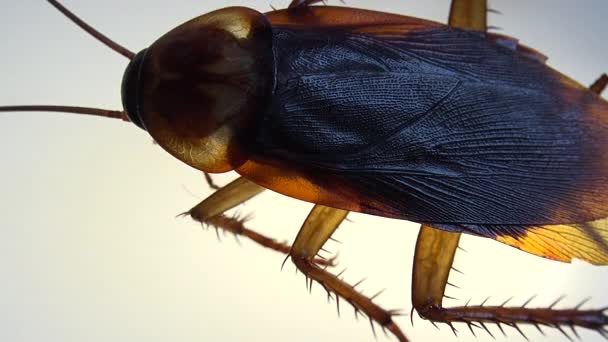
89,246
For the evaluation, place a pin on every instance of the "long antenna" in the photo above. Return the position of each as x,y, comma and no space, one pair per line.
107,113
76,109
93,32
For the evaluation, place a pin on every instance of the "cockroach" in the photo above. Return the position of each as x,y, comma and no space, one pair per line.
37,225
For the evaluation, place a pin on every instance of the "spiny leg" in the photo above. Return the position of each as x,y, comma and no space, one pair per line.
600,84
469,14
320,224
316,230
433,260
227,197
435,251
210,211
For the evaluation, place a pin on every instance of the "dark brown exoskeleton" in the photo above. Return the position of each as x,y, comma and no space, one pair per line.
354,110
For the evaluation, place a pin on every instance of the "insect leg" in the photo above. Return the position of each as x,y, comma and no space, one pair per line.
316,230
600,84
469,14
435,250
210,211
226,198
432,262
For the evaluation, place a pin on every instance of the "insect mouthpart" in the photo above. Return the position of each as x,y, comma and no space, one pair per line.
131,89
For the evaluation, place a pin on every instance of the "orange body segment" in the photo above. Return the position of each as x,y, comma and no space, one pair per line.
297,184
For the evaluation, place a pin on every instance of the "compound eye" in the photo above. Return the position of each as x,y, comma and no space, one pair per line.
131,89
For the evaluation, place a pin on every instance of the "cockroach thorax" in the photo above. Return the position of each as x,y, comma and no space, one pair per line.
199,88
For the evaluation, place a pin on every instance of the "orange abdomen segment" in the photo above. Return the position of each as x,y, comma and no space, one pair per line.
298,184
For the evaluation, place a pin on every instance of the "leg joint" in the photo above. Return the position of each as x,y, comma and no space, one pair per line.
431,312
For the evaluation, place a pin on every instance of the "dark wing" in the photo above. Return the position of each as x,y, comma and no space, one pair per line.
586,241
438,125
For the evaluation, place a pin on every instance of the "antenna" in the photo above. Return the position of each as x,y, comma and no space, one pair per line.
107,113
93,32
75,109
